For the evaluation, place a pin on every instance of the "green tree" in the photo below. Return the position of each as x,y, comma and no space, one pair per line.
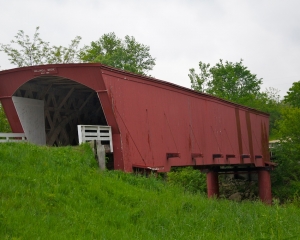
289,124
125,54
269,101
293,95
286,177
230,81
199,81
37,51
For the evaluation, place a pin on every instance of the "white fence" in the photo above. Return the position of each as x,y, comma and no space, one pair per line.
12,137
88,133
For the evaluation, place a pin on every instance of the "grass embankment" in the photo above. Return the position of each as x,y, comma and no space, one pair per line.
59,193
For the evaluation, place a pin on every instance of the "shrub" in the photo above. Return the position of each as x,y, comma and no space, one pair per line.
190,179
286,176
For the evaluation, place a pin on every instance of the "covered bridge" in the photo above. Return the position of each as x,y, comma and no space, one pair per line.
155,124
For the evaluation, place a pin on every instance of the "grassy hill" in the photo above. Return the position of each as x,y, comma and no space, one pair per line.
59,193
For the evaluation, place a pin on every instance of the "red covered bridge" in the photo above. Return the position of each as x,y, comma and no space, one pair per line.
155,124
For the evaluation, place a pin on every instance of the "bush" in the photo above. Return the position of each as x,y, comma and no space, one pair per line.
286,176
190,179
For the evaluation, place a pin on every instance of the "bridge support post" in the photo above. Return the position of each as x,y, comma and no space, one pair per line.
264,186
212,180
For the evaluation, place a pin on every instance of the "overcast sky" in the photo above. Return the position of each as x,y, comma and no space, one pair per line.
264,33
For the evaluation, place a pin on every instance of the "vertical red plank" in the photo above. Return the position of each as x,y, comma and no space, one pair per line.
11,114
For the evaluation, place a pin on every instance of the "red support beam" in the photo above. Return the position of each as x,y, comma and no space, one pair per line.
12,115
212,184
264,186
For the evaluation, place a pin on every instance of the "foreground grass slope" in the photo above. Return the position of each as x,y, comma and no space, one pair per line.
59,193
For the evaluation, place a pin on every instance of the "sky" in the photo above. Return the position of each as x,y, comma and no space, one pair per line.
180,33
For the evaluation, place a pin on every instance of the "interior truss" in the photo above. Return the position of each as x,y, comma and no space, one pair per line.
67,104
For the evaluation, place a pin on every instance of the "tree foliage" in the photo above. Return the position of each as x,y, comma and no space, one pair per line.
125,54
293,95
199,81
286,177
269,101
288,124
227,80
35,51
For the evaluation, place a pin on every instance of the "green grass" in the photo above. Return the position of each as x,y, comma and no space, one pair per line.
59,193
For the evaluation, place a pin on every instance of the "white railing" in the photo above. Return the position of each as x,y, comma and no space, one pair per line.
88,133
12,137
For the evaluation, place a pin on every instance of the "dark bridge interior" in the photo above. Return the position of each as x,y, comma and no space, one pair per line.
67,104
